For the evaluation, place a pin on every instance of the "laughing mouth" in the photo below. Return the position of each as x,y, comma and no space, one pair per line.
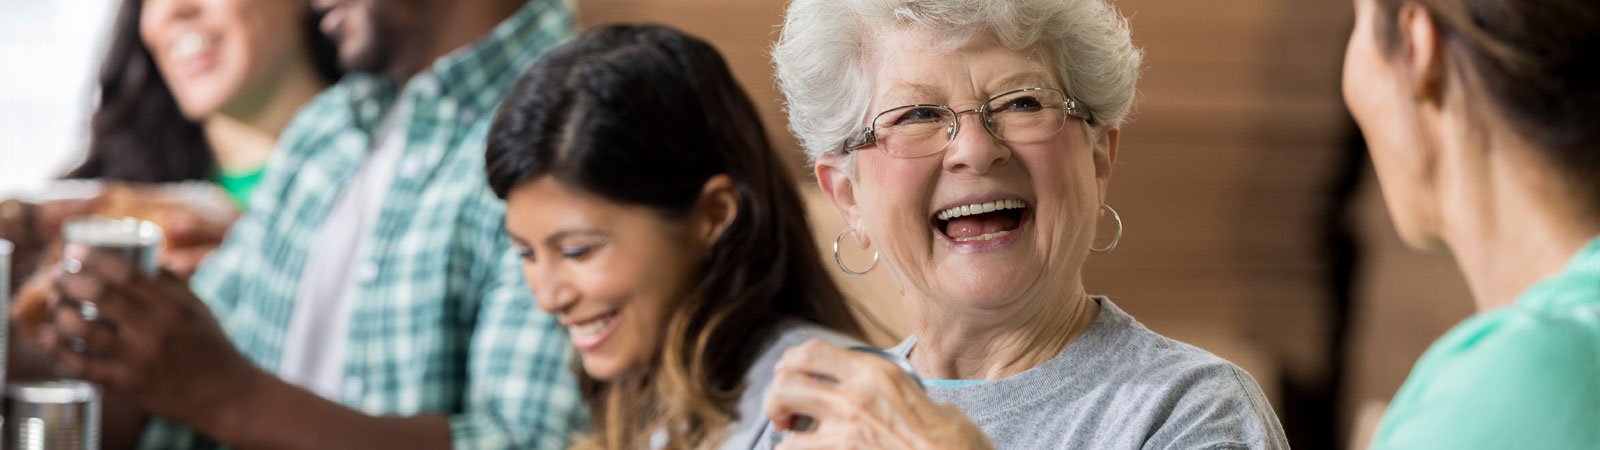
593,326
977,222
191,44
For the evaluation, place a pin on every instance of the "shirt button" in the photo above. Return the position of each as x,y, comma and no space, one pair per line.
367,273
369,109
353,387
410,168
428,86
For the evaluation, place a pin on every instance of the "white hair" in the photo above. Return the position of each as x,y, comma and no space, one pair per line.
821,55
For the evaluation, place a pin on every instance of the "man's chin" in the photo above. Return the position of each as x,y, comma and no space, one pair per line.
360,60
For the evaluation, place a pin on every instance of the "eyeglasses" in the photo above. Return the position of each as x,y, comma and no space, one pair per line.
1023,116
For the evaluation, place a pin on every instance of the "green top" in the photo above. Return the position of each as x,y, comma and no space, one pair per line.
1523,376
239,185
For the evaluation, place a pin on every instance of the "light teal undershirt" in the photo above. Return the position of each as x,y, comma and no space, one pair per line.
1522,376
951,383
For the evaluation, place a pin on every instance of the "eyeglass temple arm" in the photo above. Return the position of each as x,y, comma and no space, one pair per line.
864,138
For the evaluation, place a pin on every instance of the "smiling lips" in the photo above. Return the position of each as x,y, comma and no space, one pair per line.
978,222
191,49
590,333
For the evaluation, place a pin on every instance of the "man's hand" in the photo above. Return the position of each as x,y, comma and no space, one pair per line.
153,341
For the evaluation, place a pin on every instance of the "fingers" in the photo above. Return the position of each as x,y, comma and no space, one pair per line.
164,294
106,372
861,373
183,228
30,310
811,441
100,299
183,261
75,334
51,215
819,358
795,394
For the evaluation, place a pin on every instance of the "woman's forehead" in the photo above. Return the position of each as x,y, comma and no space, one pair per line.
919,69
977,84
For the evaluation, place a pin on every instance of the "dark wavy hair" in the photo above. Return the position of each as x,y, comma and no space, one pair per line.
138,134
645,115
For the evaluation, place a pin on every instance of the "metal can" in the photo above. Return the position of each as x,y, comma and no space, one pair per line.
804,423
52,415
5,303
122,247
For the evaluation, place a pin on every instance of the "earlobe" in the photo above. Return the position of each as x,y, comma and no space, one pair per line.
836,183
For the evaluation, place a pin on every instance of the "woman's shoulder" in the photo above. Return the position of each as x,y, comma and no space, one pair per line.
1502,370
791,334
751,429
1570,335
1203,390
1149,352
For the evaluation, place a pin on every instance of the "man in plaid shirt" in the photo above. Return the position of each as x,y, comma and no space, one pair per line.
369,299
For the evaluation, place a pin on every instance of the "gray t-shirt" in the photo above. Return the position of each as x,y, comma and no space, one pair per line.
753,430
1121,386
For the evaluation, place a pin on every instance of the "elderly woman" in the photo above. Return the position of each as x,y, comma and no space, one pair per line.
969,144
1483,120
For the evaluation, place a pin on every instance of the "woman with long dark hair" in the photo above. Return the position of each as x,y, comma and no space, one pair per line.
190,91
657,223
197,90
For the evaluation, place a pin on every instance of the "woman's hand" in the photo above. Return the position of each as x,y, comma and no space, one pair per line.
30,308
857,400
190,238
193,220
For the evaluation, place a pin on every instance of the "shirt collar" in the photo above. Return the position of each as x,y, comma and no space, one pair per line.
1577,283
491,63
473,76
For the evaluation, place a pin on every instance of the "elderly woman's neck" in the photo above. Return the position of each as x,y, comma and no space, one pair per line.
990,345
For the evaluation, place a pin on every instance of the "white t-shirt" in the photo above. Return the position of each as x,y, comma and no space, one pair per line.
313,355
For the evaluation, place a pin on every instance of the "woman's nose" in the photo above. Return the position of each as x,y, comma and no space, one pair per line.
973,149
553,294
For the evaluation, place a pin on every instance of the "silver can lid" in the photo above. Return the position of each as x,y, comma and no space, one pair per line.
52,392
111,231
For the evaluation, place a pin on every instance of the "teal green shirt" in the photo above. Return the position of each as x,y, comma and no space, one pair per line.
1523,376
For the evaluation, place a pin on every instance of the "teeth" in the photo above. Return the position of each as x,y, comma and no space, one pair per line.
591,327
190,44
984,237
980,208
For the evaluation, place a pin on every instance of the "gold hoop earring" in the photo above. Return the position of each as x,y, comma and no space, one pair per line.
1117,239
840,261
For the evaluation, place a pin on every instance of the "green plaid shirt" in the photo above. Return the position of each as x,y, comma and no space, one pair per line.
440,320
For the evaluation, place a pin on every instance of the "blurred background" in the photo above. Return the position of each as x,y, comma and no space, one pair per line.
1254,227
